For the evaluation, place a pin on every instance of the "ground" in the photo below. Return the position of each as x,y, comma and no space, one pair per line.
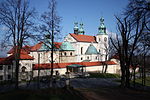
81,89
43,94
111,93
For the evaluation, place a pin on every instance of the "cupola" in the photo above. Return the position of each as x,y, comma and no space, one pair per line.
76,29
102,28
81,29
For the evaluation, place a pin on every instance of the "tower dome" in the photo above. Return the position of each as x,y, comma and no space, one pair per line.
102,28
66,46
76,29
81,29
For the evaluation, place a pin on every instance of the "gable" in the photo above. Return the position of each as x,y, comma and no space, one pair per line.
69,38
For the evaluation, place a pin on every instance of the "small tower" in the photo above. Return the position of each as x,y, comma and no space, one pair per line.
76,29
102,28
81,29
102,39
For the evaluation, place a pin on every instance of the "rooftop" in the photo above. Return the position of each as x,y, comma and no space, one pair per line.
63,65
83,38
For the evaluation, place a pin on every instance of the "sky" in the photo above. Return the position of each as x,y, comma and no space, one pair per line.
88,12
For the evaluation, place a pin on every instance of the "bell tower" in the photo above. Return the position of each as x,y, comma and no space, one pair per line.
102,39
102,28
81,29
76,29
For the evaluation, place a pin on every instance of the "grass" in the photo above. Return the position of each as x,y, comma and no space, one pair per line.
139,81
45,94
103,75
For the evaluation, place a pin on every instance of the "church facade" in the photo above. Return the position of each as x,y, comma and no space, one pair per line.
76,48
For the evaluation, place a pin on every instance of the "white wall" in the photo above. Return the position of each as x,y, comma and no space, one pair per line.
45,72
111,69
5,72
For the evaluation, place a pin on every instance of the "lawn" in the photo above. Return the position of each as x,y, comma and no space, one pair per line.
103,75
45,94
147,81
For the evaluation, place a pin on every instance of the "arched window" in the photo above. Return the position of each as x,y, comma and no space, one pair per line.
99,39
81,50
81,58
105,39
70,53
96,57
65,53
99,51
23,69
88,57
61,54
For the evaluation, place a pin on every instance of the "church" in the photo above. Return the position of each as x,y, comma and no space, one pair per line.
78,50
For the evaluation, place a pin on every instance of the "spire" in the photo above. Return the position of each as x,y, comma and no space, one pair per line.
81,29
102,28
76,28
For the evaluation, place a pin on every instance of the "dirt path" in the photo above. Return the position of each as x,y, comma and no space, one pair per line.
90,95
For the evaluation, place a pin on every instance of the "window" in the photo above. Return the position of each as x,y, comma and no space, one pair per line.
81,58
65,53
1,78
23,69
9,77
99,39
99,50
70,53
105,39
81,50
88,57
9,67
1,67
96,57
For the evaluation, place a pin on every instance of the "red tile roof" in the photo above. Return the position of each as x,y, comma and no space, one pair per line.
1,59
37,46
83,38
116,56
8,60
26,57
25,50
57,44
63,65
110,62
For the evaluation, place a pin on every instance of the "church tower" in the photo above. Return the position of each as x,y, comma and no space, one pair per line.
81,29
102,28
102,39
76,29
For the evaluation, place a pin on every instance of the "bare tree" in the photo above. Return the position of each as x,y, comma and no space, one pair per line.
16,16
140,10
50,27
107,53
126,45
